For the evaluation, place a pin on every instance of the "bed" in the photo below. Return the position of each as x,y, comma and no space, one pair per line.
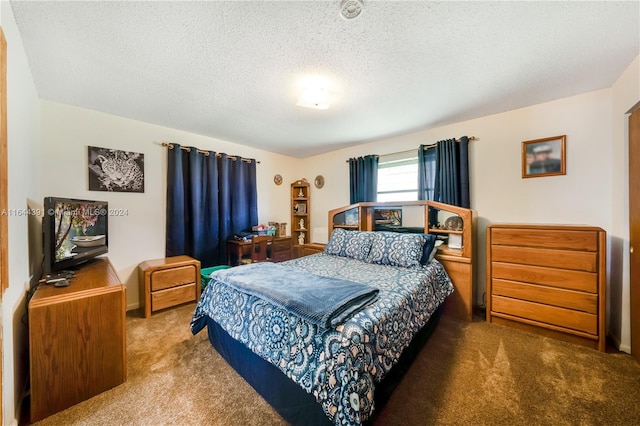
322,372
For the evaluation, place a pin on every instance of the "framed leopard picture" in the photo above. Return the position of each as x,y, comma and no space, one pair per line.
114,170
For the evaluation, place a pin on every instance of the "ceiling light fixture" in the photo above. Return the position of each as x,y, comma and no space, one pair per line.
315,97
351,9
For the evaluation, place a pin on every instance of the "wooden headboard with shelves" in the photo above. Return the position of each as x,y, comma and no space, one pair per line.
429,217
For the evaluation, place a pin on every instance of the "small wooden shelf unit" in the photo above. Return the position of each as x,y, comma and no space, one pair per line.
168,282
548,279
77,346
458,262
300,210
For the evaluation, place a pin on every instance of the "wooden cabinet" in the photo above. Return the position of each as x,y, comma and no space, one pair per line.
549,279
281,249
309,248
168,282
455,224
77,346
300,212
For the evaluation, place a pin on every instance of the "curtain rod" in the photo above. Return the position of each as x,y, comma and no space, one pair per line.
471,138
188,149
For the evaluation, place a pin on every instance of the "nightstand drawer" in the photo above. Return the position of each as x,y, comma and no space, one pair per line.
173,296
168,278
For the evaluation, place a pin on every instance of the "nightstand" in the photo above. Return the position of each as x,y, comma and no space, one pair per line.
168,282
309,248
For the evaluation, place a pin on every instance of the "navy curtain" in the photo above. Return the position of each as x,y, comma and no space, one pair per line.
426,172
452,172
445,169
363,178
209,199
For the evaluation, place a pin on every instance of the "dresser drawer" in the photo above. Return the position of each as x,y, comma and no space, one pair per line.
167,278
545,314
547,238
569,299
173,296
561,278
563,259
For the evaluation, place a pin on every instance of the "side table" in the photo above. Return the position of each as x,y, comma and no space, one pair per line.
168,282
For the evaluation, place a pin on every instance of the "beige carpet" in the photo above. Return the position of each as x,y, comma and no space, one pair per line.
468,373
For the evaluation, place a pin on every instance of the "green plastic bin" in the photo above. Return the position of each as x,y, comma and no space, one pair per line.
205,274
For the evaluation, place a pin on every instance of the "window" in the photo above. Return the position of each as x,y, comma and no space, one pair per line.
398,176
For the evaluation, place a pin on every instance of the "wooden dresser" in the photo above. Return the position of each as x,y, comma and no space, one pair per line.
77,346
549,279
168,282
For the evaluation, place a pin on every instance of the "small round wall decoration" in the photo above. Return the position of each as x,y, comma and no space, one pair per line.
277,179
319,181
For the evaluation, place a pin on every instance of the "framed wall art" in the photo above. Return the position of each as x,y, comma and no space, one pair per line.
544,157
115,170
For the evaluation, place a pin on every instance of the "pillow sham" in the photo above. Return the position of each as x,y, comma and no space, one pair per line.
358,245
353,244
337,242
397,249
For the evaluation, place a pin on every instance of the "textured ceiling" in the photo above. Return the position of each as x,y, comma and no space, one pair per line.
232,70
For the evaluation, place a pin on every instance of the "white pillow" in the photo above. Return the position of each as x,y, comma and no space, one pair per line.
435,249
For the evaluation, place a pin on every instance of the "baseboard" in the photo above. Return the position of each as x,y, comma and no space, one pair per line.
133,306
617,344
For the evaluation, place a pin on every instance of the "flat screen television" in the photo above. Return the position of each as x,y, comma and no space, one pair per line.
74,231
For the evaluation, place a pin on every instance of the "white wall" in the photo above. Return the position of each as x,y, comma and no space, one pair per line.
140,235
23,131
498,193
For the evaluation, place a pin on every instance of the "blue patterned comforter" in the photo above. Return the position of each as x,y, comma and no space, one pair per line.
323,301
338,366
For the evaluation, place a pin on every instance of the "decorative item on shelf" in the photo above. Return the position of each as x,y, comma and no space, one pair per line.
453,223
301,238
301,223
300,208
301,193
388,216
277,179
455,241
319,181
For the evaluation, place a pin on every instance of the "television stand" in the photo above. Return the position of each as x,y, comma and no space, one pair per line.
57,276
77,339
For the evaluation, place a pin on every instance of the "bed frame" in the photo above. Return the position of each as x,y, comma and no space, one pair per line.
287,397
429,217
296,406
